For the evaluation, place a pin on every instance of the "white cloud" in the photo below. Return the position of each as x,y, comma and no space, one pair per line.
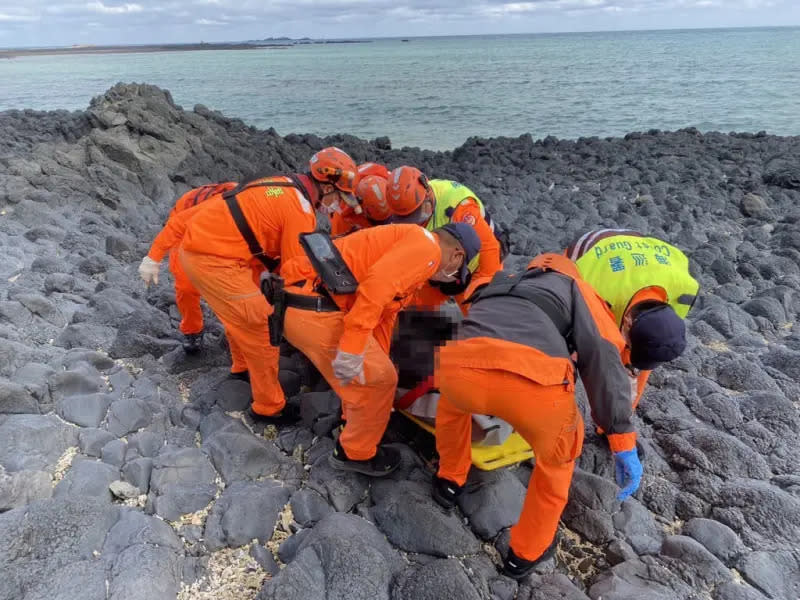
114,10
7,18
210,22
227,17
519,7
550,6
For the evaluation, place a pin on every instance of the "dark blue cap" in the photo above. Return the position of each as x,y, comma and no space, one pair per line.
469,240
657,335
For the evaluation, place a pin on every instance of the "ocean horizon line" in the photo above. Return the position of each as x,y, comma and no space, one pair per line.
404,37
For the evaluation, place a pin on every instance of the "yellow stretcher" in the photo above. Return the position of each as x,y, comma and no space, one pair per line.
486,457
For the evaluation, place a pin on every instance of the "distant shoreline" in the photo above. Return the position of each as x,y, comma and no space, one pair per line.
14,53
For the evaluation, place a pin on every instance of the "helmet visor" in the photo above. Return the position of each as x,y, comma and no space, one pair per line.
418,217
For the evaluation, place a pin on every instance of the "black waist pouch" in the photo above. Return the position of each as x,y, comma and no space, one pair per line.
328,263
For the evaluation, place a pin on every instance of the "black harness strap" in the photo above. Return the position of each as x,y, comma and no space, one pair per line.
241,221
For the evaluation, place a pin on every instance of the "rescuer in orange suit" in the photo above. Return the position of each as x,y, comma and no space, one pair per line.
432,203
512,359
347,336
413,198
373,206
187,298
261,219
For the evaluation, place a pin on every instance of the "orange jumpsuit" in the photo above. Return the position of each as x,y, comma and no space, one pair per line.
511,360
187,298
390,263
218,262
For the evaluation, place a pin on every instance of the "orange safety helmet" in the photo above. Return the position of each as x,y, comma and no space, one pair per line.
371,168
407,191
332,165
371,191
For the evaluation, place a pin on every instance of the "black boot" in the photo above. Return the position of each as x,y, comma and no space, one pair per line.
193,342
384,462
519,568
445,492
240,375
289,415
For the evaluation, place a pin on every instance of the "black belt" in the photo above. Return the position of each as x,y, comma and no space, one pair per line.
315,303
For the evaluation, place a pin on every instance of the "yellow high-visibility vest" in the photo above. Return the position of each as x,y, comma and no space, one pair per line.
619,266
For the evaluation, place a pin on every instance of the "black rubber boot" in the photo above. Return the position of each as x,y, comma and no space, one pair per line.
445,492
240,375
519,568
193,342
384,462
289,415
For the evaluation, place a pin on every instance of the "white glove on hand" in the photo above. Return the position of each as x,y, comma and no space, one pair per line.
148,271
347,367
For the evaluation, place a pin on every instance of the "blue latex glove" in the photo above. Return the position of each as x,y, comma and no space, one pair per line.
629,472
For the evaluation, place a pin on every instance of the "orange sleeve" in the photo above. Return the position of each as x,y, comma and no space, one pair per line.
470,213
339,226
342,225
641,383
172,233
428,296
296,270
412,260
603,318
600,347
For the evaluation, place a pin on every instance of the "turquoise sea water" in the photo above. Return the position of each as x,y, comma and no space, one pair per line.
436,92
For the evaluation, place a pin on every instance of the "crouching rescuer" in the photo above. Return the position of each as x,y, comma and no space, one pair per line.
511,359
647,285
342,301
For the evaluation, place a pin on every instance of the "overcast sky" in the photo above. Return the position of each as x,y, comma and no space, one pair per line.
60,23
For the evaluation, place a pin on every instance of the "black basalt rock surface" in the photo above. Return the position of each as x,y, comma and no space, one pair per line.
94,387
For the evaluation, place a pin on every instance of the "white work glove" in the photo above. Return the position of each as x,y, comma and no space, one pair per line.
148,271
347,367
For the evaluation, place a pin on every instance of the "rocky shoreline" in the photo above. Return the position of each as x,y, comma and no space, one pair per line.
95,390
